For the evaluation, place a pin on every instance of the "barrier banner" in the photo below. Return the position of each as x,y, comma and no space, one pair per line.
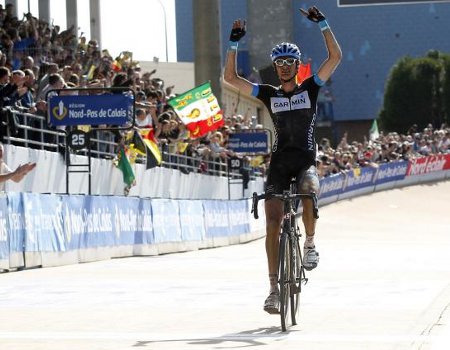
166,221
73,221
216,218
43,223
238,217
144,229
125,218
192,220
4,241
425,165
98,219
331,185
393,171
359,178
16,222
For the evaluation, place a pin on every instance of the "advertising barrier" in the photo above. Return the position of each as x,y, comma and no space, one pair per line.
51,229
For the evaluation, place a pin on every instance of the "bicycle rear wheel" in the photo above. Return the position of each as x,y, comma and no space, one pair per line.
284,281
296,273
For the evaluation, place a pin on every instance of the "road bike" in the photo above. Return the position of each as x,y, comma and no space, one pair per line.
291,273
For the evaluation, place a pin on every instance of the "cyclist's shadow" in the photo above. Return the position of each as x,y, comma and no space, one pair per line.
254,337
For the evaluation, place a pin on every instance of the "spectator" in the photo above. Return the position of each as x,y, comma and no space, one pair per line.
7,174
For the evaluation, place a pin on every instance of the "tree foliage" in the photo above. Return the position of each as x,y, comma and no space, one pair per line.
417,92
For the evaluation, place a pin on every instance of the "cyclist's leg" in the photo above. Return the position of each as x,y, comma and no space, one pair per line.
274,216
309,182
277,180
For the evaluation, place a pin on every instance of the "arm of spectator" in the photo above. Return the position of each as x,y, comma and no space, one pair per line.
18,174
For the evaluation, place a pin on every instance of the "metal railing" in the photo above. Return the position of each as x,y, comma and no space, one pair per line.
32,131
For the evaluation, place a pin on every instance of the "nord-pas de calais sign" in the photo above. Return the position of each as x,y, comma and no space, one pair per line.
249,142
116,109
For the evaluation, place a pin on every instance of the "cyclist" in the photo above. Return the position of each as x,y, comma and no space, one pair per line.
292,108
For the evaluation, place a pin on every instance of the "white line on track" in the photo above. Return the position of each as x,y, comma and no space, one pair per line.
231,337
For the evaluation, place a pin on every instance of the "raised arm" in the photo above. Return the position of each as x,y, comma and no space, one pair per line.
334,51
230,72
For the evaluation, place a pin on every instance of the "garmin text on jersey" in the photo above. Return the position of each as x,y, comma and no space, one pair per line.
283,104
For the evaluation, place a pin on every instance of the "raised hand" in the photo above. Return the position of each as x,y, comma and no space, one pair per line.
313,14
238,30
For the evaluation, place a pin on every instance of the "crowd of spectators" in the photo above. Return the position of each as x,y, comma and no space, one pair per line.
36,57
385,148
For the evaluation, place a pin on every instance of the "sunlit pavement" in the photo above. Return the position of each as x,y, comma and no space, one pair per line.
383,282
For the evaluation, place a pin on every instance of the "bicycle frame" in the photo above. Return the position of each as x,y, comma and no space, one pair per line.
291,273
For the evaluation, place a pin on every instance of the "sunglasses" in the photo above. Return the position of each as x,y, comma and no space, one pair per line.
280,62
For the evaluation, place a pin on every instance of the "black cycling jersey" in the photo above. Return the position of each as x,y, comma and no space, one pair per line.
294,116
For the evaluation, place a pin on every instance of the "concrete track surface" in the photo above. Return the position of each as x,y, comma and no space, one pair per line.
383,283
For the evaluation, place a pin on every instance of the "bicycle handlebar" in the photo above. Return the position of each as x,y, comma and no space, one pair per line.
284,197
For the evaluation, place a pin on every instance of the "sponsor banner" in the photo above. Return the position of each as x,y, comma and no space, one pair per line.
192,220
359,178
44,226
114,109
74,221
331,185
393,171
4,241
425,165
216,218
166,220
238,217
125,219
249,142
144,233
99,222
16,222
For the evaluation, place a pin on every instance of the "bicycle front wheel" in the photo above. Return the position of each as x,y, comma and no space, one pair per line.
284,280
296,274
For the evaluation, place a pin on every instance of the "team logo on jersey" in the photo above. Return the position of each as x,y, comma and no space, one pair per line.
283,104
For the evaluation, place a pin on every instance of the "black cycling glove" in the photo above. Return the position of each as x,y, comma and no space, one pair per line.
315,15
237,34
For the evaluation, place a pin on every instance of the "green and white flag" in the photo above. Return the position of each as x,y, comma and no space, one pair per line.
199,110
373,131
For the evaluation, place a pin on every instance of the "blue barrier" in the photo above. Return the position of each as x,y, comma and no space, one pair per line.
4,237
33,223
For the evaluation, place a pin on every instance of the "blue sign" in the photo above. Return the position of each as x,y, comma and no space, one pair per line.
331,185
192,220
217,222
392,171
166,221
115,109
249,142
238,217
360,178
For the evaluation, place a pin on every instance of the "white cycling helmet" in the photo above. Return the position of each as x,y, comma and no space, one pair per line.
285,50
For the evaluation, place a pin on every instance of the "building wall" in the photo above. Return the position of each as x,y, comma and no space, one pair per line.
372,38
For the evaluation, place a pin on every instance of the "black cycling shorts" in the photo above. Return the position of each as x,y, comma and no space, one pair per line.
289,164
